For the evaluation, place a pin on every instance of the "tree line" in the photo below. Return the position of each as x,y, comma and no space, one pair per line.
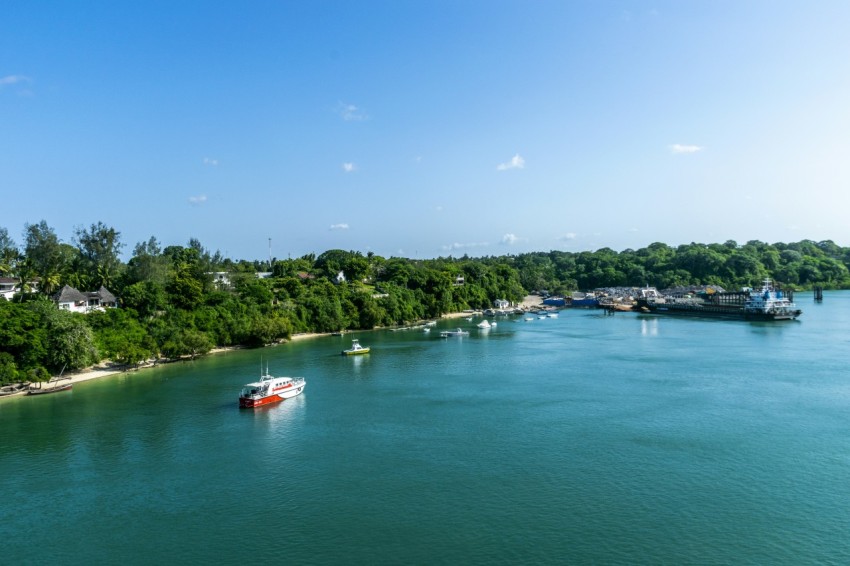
178,301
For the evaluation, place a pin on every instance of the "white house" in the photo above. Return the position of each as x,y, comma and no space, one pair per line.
71,299
501,304
8,287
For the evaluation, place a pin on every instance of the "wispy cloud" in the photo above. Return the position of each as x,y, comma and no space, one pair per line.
683,148
459,246
198,200
210,161
516,162
509,239
568,237
13,79
341,226
350,112
349,167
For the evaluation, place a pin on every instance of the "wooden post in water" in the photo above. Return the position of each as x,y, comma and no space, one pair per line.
818,293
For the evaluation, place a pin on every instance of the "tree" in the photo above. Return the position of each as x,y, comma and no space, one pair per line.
8,253
70,340
147,263
99,248
43,251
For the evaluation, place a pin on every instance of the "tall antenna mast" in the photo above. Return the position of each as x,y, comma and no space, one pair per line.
270,253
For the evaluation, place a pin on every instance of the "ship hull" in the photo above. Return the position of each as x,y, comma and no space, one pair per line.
712,311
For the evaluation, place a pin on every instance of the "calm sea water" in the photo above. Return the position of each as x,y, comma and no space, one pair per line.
625,439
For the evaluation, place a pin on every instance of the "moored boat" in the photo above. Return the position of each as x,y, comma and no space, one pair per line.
270,389
457,332
356,349
55,388
16,389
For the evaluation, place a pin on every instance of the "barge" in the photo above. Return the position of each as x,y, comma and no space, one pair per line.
766,303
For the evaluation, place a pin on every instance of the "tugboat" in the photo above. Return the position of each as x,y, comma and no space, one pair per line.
270,389
769,304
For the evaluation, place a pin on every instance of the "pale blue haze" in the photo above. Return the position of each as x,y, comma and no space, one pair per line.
586,439
427,128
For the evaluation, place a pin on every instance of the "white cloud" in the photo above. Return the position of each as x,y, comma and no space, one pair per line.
680,148
509,239
342,226
198,200
210,161
459,246
349,167
350,112
568,236
516,162
439,208
13,79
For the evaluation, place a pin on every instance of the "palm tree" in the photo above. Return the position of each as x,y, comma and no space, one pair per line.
50,283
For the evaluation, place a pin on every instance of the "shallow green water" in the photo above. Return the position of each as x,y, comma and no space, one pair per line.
583,439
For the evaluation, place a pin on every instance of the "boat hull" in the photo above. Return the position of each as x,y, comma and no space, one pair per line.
355,352
49,390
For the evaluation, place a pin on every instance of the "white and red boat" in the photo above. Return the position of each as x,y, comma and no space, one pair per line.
270,389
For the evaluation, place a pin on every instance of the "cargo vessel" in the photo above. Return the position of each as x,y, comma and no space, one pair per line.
766,303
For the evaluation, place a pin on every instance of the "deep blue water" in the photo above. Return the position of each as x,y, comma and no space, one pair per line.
628,439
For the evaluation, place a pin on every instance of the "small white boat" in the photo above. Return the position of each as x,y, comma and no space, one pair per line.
426,330
528,318
552,315
458,332
484,324
356,349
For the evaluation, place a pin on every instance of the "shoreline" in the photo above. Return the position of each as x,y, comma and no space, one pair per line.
106,369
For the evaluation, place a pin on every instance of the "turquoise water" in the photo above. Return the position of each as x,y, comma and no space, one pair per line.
626,439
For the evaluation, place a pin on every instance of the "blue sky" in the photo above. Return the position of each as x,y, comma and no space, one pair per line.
424,129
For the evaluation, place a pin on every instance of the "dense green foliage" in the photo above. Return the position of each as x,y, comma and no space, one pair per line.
183,301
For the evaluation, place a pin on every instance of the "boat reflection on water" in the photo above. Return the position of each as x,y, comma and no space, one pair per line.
649,327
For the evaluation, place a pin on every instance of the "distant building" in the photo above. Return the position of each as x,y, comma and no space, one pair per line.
340,278
221,279
501,303
459,280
